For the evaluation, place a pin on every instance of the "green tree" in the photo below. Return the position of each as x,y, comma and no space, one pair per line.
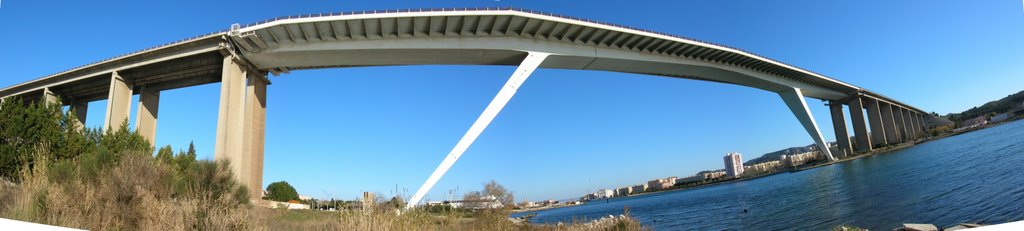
165,155
281,191
28,129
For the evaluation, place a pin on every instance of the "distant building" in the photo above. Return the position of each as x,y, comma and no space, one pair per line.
291,204
604,193
733,164
762,168
660,184
691,179
639,188
975,122
623,191
485,202
529,204
713,174
799,159
1001,117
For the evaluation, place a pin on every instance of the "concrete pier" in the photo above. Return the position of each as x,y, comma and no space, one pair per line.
889,123
901,125
255,132
878,130
231,116
839,126
145,118
118,102
81,110
860,129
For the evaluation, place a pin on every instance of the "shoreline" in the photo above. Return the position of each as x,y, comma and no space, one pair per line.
875,151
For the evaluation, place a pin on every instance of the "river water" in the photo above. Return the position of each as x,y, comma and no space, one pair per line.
972,177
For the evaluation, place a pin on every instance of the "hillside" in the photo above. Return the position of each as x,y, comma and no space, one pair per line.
999,106
776,154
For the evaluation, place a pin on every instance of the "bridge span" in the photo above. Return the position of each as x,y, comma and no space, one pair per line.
240,59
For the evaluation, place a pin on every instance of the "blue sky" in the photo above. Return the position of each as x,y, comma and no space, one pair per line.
338,132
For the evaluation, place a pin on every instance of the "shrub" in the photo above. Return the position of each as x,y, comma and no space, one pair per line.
116,184
281,191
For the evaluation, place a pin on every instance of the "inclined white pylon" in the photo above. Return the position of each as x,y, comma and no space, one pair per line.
532,61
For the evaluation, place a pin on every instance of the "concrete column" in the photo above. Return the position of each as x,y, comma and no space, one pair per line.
888,123
81,109
119,103
145,119
230,118
901,124
255,125
860,128
878,137
907,136
794,99
49,97
911,124
839,125
924,126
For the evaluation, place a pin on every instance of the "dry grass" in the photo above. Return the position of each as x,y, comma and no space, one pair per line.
135,194
139,193
380,219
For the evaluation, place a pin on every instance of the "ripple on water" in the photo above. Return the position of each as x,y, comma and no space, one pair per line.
972,177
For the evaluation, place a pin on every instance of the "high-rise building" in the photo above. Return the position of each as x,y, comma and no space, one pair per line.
733,164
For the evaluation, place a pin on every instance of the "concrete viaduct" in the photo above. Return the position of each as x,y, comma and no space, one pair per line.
240,59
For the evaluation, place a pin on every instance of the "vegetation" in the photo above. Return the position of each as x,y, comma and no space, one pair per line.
999,106
281,191
383,219
26,128
83,178
56,173
492,189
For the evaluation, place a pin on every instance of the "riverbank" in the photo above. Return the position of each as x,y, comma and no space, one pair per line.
936,182
875,151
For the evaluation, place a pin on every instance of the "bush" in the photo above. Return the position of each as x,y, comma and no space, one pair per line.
112,182
281,191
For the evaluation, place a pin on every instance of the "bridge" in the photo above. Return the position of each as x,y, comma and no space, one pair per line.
241,57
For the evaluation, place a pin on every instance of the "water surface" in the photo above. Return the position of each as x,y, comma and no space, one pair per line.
972,177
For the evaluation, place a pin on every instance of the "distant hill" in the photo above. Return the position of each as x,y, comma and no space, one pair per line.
999,106
776,154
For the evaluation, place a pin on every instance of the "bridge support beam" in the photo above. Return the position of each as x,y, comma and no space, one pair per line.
839,125
146,117
532,61
81,110
923,126
794,99
255,127
878,130
119,102
230,118
888,123
49,97
860,128
911,124
901,124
